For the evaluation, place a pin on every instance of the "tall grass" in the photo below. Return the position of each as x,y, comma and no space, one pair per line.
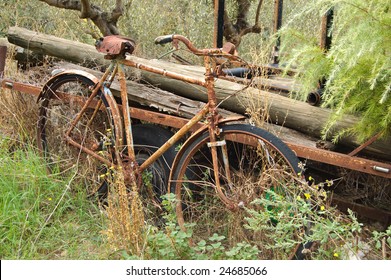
41,217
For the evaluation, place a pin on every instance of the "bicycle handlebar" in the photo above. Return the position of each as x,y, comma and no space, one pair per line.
161,40
200,52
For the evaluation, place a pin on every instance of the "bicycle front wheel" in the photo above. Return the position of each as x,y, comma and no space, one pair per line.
259,162
62,100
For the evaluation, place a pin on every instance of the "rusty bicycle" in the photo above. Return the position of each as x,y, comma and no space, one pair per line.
215,172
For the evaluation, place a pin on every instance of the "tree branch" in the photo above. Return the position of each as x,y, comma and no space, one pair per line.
85,9
105,21
258,12
234,32
69,5
118,11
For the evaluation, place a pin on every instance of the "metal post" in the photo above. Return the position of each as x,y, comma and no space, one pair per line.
325,44
3,55
218,23
278,6
325,33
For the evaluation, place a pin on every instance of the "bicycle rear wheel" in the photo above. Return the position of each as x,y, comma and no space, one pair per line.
62,99
258,162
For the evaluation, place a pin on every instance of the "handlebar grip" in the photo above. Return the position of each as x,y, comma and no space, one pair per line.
161,40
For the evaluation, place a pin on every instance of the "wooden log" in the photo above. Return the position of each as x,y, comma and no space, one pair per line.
149,96
235,97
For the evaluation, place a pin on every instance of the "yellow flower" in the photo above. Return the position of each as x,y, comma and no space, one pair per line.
310,178
298,197
336,255
322,208
307,196
49,198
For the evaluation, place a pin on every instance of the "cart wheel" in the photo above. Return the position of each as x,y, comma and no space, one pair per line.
147,138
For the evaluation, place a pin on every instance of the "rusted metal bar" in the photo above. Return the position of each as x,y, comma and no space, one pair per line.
129,62
21,87
175,138
87,104
218,23
342,160
362,210
277,23
3,55
364,145
126,113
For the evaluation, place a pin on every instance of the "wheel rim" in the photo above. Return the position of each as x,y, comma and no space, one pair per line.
199,204
94,131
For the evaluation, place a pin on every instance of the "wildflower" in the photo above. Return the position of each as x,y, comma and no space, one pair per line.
310,178
322,208
298,197
307,196
336,255
49,198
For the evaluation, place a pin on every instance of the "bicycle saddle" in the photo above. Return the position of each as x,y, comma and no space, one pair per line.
115,45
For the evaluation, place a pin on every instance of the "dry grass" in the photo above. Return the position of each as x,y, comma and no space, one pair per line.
126,217
17,110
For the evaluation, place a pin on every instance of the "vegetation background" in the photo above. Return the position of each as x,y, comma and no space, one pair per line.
49,217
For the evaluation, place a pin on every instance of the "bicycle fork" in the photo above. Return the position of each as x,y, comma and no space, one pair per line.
214,132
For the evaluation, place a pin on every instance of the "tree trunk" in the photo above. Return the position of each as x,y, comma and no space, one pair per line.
281,110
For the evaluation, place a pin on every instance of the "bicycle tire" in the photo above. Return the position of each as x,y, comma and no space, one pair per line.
98,132
255,168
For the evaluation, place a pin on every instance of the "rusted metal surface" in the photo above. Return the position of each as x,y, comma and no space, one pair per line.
342,160
131,166
364,145
3,55
21,87
175,138
365,211
163,72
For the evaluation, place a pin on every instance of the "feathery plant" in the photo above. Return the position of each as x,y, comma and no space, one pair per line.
357,68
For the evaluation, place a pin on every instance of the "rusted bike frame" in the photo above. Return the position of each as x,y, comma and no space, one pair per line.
208,112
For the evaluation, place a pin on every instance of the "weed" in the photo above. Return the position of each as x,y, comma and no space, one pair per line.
41,218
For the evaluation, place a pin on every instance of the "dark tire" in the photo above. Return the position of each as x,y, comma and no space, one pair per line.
147,138
258,162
